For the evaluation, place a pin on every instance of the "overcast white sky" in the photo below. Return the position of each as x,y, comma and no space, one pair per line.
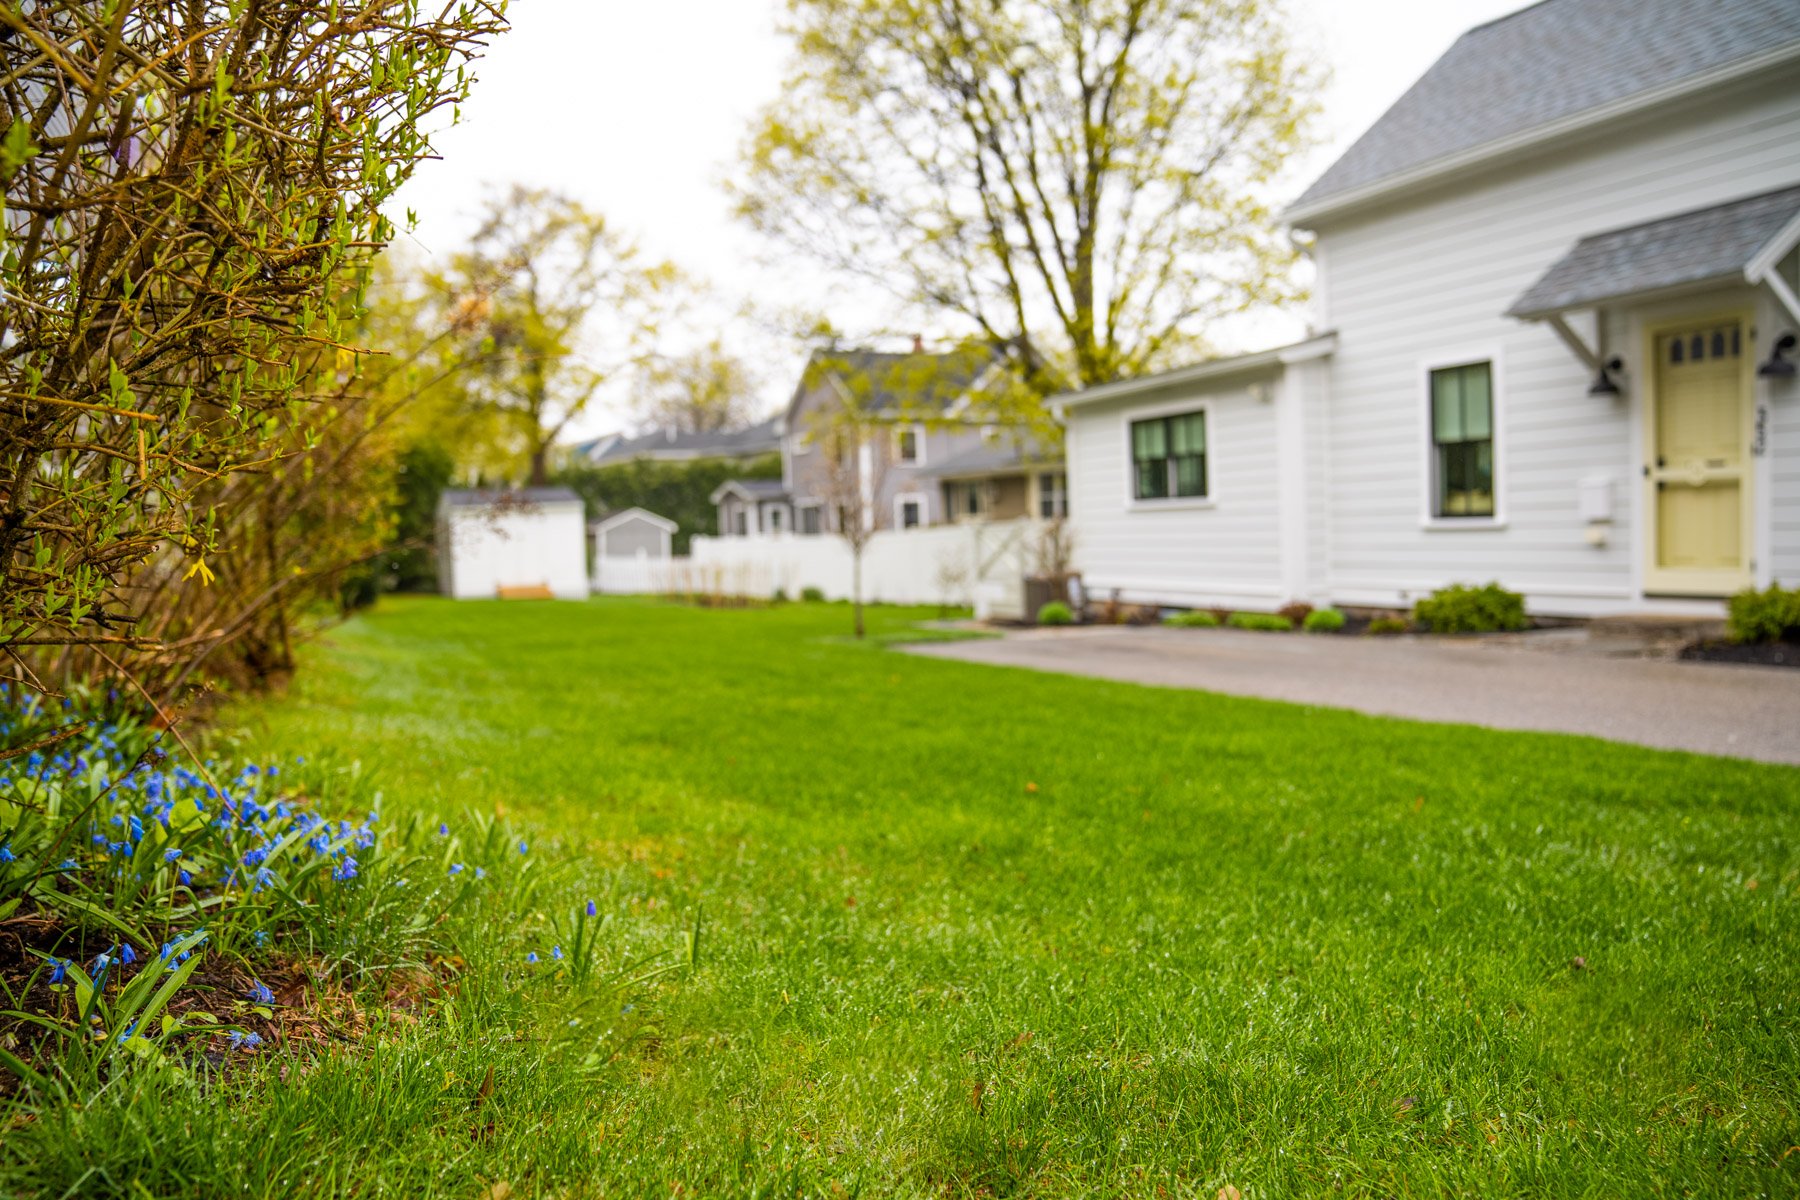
637,108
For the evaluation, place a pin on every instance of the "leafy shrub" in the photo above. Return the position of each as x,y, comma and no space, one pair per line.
780,596
1261,622
1323,620
813,595
1387,625
1297,612
1055,613
1772,615
1461,608
1198,618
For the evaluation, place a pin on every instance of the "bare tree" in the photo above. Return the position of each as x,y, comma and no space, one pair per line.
1086,179
557,305
855,448
705,390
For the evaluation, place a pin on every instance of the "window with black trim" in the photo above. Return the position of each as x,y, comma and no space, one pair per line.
1168,457
1053,495
912,514
1462,441
809,519
906,445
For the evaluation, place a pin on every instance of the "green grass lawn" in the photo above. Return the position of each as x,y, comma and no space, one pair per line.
972,931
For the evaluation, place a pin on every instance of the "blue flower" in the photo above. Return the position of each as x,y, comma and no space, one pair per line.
532,957
443,829
68,864
344,870
59,969
186,879
173,854
100,961
245,1041
261,938
6,853
590,908
264,878
481,872
456,868
259,992
523,848
127,954
556,953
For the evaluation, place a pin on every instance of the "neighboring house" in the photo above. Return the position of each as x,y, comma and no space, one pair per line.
932,461
528,542
734,445
1560,286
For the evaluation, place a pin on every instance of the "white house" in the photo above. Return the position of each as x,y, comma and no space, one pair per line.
1558,283
531,542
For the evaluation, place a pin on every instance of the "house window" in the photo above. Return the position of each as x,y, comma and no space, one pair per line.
809,519
741,523
1168,457
906,445
912,514
1462,441
1053,495
967,500
774,520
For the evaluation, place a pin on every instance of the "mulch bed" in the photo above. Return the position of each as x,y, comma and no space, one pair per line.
1761,654
311,1011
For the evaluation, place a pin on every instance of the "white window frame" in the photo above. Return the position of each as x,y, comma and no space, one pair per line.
918,458
1428,518
905,498
801,506
1061,494
1172,408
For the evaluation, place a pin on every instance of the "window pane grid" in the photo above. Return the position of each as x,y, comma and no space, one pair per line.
1462,434
1169,457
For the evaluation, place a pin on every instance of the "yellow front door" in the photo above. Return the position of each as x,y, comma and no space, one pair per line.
1699,468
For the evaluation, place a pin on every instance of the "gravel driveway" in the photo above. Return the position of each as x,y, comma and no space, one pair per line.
1552,682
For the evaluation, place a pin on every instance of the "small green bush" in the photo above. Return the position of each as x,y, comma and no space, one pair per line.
813,595
1387,625
1055,613
1461,608
1197,619
780,596
1323,620
1261,622
1772,615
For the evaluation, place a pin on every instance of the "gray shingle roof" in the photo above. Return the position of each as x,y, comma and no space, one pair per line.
1005,456
485,497
762,438
1554,60
754,489
1690,248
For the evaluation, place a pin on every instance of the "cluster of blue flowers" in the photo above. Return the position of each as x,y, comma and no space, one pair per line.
167,827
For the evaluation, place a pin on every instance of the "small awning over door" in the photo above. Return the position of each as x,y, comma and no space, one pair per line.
1736,242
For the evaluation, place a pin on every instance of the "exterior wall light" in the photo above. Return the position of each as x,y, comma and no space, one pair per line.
1604,384
1778,366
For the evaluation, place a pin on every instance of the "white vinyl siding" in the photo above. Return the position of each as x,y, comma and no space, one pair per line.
1417,281
1222,550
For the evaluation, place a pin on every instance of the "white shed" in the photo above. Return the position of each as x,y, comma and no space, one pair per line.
634,533
529,542
632,552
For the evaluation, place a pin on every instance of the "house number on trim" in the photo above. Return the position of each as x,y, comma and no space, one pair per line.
1760,442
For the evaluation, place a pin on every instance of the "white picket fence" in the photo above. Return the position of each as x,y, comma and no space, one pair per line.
980,565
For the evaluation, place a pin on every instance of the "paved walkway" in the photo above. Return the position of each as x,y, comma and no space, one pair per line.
1550,681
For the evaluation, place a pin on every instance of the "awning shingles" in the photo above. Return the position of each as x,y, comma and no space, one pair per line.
1689,249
